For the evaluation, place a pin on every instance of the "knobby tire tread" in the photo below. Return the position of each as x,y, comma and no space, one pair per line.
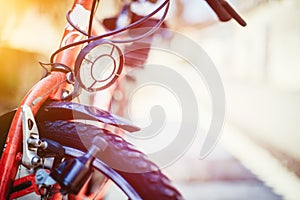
151,183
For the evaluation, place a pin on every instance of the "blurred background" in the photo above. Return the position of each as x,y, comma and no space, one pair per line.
258,156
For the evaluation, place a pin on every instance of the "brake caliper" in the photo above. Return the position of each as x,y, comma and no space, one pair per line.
31,139
72,174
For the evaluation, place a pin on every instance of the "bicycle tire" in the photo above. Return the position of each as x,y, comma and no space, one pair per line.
151,183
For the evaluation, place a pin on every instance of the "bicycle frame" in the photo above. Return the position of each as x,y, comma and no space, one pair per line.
49,87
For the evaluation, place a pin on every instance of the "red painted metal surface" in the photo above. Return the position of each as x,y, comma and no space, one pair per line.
49,87
32,188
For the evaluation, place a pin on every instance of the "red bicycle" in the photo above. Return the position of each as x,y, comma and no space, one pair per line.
46,134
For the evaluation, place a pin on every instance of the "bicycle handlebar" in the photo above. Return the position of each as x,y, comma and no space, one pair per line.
225,11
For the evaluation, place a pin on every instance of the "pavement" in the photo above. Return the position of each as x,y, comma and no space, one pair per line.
223,175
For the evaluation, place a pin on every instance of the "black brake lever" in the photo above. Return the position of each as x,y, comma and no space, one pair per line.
233,13
225,12
218,8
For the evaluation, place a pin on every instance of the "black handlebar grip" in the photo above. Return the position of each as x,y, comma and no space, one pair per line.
221,12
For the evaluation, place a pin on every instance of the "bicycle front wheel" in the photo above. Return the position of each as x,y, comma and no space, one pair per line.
132,165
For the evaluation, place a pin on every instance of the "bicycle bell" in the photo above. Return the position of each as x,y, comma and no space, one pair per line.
98,65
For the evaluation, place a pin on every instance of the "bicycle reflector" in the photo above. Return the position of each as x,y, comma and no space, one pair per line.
98,65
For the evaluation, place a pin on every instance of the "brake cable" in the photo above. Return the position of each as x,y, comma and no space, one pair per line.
110,33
